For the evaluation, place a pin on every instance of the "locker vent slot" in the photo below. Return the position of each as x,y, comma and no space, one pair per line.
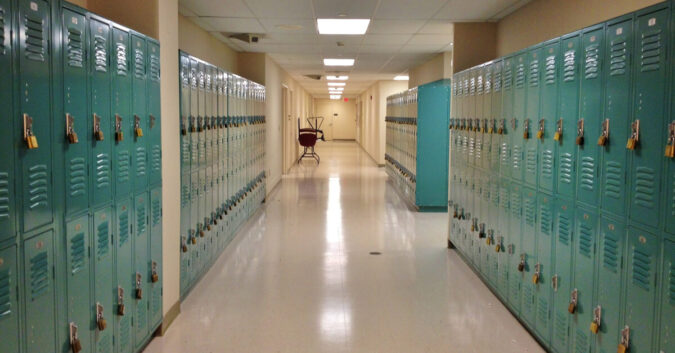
497,83
141,162
520,76
184,76
545,219
587,173
550,70
37,186
5,202
516,159
156,212
123,166
531,167
472,89
194,151
488,82
534,73
480,89
610,252
618,57
154,67
193,78
156,157
102,171
78,177
561,327
650,58
547,164
581,344
454,87
39,275
100,54
566,168
504,152
529,212
34,37
508,78
125,333
185,150
102,239
5,293
591,64
585,240
124,228
139,64
77,251
569,71
141,223
542,311
564,229
613,182
504,198
495,192
515,205
644,187
202,80
642,268
75,48
104,343
121,55
671,283
3,47
466,87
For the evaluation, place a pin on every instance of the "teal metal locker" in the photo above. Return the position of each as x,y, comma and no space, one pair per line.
154,116
531,123
669,210
195,238
543,268
503,239
497,117
649,109
592,43
505,150
156,268
142,268
34,117
528,256
514,245
568,108
9,303
561,281
519,119
667,309
78,272
185,235
547,123
121,117
101,118
71,128
125,275
479,98
103,306
139,112
7,201
208,152
586,231
39,293
615,124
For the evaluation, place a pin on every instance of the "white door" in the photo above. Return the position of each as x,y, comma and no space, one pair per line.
340,119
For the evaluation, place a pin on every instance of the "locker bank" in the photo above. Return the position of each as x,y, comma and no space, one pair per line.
494,175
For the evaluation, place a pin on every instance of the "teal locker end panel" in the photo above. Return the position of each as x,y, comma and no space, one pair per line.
76,156
154,114
34,80
586,226
550,56
104,286
142,267
532,116
121,117
617,75
9,305
100,93
505,149
518,117
78,267
139,113
609,285
590,109
528,251
568,108
543,295
503,239
156,265
124,266
650,98
39,293
514,245
432,127
667,327
643,262
7,200
564,229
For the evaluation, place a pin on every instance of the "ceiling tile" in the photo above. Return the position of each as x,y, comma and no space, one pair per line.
386,39
436,39
438,27
221,8
378,49
233,25
408,9
460,10
395,26
271,25
423,48
350,8
333,51
296,38
281,9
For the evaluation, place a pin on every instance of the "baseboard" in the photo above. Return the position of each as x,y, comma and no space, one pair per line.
369,156
168,319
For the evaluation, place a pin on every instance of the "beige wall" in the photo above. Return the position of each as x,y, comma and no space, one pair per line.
201,44
252,66
541,20
143,18
474,43
343,127
437,68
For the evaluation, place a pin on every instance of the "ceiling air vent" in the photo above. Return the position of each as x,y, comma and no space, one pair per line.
249,38
314,77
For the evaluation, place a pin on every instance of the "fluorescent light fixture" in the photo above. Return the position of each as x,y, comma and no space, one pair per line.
337,78
338,62
335,96
402,78
336,84
336,89
345,26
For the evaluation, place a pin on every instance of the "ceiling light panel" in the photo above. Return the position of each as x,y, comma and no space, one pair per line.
343,26
335,96
401,78
336,84
337,78
338,62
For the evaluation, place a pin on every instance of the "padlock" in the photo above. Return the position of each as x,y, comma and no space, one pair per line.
535,278
526,134
139,293
184,248
521,267
594,327
72,137
194,240
98,135
622,348
572,308
500,131
75,344
557,135
120,309
155,277
488,241
119,136
32,142
580,140
498,248
201,233
101,324
540,134
670,151
602,140
139,132
631,144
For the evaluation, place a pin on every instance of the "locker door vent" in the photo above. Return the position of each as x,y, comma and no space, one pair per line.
37,186
121,56
542,312
5,202
498,81
156,212
508,78
139,64
545,219
610,252
531,166
74,48
154,67
5,293
124,228
517,158
569,66
547,164
529,212
141,163
550,70
77,251
561,327
515,205
671,283
504,199
644,187
480,85
587,173
642,268
156,158
534,73
202,80
650,59
472,88
520,76
495,194
585,240
123,166
185,150
564,229
141,219
193,78
581,345
39,275
618,57
34,37
100,54
465,91
3,47
566,168
78,177
613,183
488,82
125,333
102,240
102,170
592,64
185,76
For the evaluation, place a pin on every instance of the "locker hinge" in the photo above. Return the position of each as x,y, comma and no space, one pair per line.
132,229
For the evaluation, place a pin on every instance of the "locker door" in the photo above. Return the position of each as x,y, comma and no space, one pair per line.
185,113
543,289
194,116
610,279
503,257
195,227
38,293
488,123
34,78
562,280
649,92
493,229
496,114
9,304
156,273
568,107
208,152
74,118
7,201
618,53
104,285
142,268
528,251
669,182
154,114
185,212
550,55
479,98
584,264
99,73
505,150
667,331
515,250
125,277
121,118
589,115
518,120
77,280
532,116
139,114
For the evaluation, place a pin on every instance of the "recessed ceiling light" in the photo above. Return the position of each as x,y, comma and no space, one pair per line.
336,84
338,62
289,27
335,96
343,26
337,78
339,89
402,78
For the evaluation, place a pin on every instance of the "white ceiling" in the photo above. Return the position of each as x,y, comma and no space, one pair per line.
402,33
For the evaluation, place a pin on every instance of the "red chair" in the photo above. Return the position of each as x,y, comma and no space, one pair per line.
307,138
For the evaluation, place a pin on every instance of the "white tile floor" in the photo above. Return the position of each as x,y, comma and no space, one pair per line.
299,277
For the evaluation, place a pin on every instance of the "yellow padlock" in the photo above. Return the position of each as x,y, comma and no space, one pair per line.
622,348
139,132
491,130
487,241
526,135
498,248
580,140
602,140
32,142
630,144
572,308
119,136
670,151
595,327
99,135
540,134
535,278
557,136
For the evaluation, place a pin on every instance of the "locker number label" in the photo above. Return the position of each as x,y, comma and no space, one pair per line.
619,31
74,20
39,245
642,239
2,261
33,6
651,22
